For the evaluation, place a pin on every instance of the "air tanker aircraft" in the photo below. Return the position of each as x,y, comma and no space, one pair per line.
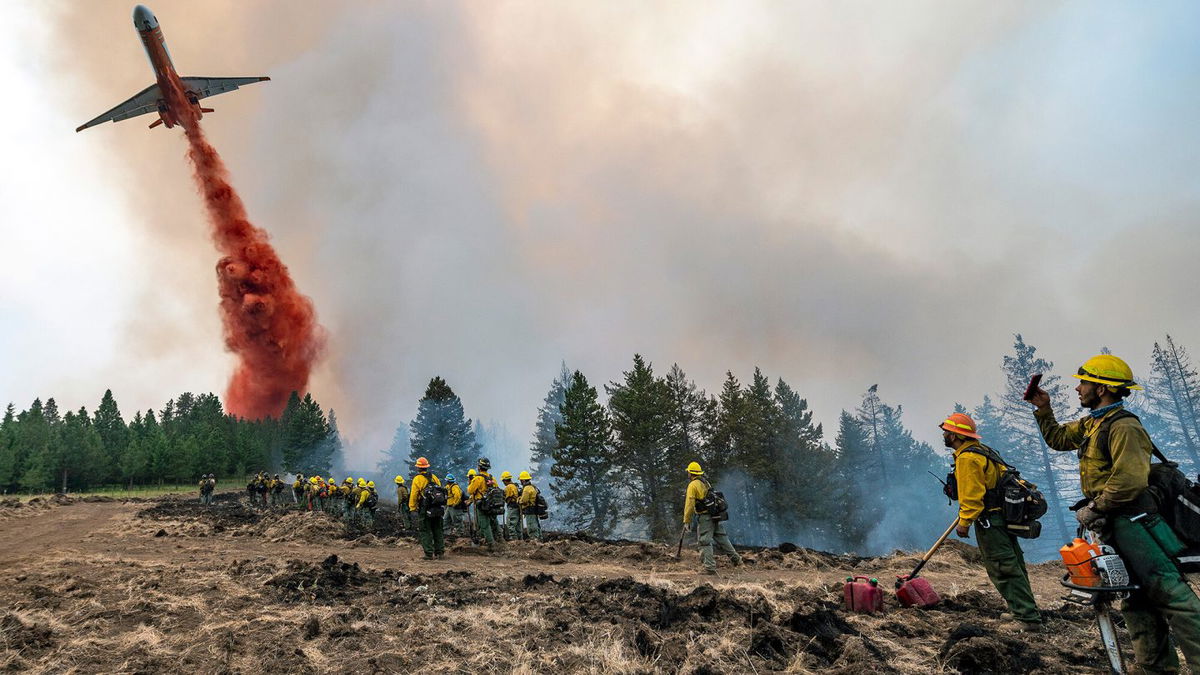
153,98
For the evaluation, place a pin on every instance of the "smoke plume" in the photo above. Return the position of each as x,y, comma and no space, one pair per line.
267,322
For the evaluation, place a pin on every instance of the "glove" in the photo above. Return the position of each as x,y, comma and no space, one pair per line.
963,531
1090,518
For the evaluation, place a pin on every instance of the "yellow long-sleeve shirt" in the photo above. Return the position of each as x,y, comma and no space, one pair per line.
479,485
528,496
402,496
696,491
975,475
454,495
1111,480
511,493
419,483
363,496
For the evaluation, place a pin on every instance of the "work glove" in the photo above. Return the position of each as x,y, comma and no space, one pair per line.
1090,518
963,531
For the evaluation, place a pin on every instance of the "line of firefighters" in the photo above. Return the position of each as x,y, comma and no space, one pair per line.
475,512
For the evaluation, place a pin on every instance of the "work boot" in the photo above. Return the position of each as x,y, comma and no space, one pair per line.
1021,626
737,562
711,573
429,556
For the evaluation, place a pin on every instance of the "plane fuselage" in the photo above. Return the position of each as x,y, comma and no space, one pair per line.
155,44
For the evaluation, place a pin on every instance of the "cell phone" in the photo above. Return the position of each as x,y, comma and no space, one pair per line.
1033,385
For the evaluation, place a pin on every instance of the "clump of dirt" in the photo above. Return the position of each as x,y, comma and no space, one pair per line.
974,650
17,635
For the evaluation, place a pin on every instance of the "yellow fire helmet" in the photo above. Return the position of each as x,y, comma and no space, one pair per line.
1108,370
371,484
362,482
399,480
506,476
470,472
694,469
525,476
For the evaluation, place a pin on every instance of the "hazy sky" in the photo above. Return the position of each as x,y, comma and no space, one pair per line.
842,193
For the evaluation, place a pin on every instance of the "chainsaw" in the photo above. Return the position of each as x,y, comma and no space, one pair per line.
1097,576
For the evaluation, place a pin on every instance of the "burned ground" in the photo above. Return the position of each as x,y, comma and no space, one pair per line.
233,589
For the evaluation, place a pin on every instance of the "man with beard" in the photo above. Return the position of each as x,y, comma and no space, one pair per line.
1114,468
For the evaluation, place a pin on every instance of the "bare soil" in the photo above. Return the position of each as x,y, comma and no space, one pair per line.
167,585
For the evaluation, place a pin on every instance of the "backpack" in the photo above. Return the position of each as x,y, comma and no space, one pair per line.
540,508
492,503
1020,502
1176,498
372,500
433,500
713,504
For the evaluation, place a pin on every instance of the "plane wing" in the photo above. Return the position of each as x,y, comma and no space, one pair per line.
204,87
143,102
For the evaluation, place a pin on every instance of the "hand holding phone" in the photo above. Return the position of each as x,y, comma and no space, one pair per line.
1034,383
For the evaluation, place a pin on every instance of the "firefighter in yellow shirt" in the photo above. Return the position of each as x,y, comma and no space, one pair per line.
426,486
709,531
368,500
530,506
488,499
512,522
402,503
455,506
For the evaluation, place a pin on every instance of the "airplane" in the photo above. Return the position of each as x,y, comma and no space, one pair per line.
153,98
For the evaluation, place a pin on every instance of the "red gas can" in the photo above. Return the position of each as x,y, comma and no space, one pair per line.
916,592
861,594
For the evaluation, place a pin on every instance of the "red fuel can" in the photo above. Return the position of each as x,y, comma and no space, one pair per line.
862,594
916,592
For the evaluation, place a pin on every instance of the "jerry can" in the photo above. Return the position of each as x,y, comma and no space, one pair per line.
916,592
862,594
1079,557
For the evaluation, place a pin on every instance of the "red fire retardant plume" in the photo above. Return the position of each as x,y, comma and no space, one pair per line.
268,323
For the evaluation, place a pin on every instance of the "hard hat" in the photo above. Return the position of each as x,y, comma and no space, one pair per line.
525,476
484,464
1109,370
348,480
277,475
362,482
370,483
506,476
399,480
471,472
422,463
450,478
694,469
960,424
313,480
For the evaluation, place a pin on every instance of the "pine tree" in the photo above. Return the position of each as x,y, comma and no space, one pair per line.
10,471
756,458
801,509
582,479
395,460
723,429
1056,474
549,416
858,512
1174,393
687,408
305,436
337,461
639,409
33,443
114,435
441,431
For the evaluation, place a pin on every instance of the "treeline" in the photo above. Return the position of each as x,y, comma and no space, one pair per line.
42,449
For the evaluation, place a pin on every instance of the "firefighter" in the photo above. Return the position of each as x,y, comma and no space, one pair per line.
527,503
1114,467
429,515
512,522
402,503
298,489
367,502
355,495
344,491
977,469
455,508
207,485
276,491
486,522
708,531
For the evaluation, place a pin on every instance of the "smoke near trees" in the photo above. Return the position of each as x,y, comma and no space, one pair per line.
614,464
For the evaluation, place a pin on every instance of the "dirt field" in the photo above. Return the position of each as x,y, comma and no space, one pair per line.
167,585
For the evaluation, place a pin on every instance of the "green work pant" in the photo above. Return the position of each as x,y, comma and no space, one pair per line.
431,534
405,516
1005,565
1164,604
489,529
533,527
711,532
512,528
454,520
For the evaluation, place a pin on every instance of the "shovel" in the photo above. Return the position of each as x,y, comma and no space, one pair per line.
912,590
